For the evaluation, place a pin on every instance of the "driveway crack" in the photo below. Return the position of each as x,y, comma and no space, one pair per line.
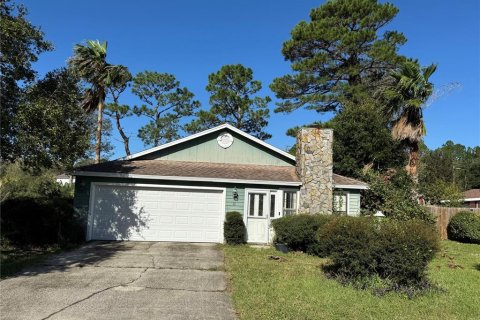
96,293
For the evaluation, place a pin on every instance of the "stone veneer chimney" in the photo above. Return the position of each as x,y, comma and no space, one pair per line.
315,169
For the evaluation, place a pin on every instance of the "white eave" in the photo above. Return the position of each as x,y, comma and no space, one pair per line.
203,133
180,178
350,186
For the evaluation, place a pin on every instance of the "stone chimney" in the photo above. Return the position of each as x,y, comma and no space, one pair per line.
315,169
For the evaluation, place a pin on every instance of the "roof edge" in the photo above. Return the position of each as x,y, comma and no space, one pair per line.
205,132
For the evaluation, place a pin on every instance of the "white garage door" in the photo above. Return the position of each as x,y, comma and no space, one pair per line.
156,214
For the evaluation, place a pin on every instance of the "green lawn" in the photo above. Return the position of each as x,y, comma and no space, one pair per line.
14,259
296,288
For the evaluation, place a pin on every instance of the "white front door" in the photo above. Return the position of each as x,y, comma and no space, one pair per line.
261,207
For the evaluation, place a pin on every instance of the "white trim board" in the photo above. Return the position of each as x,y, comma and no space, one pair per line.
471,199
180,178
203,133
350,186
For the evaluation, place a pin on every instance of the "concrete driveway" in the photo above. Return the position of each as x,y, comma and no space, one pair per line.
122,280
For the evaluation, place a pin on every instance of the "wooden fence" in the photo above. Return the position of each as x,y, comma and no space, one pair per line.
444,214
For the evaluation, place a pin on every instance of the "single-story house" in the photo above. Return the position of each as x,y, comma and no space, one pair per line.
180,191
471,198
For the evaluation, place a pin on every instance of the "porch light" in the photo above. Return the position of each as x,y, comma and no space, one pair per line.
235,194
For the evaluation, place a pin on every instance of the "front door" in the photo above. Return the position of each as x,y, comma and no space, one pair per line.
261,208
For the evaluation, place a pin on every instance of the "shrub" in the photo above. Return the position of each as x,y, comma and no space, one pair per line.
393,194
234,229
298,232
40,221
362,248
464,227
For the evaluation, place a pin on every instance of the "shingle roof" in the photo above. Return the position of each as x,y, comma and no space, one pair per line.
472,193
342,180
196,169
207,170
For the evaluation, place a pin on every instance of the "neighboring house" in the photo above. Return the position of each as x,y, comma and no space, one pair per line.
181,190
64,179
472,198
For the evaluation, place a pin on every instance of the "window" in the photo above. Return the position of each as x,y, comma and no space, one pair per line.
256,203
289,203
272,206
340,203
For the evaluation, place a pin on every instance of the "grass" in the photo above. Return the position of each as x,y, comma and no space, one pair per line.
294,287
13,259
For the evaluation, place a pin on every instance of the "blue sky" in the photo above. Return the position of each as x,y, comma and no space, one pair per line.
192,39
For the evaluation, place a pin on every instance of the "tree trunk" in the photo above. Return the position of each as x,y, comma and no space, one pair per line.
413,162
122,134
98,145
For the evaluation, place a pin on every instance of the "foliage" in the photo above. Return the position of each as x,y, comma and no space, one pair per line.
40,221
20,45
464,227
341,55
36,210
234,229
451,164
392,193
90,64
52,130
298,232
404,102
166,104
119,79
233,101
442,193
297,289
395,250
19,182
361,140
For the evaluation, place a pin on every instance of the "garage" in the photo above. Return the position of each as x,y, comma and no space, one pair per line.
156,213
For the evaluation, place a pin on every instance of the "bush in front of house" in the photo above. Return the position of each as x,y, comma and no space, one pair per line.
464,227
365,248
27,221
234,229
298,232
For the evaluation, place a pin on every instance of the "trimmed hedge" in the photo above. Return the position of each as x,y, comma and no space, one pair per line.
40,221
234,229
464,227
298,232
363,247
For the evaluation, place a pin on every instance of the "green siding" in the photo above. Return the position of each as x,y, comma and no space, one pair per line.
354,202
206,149
82,190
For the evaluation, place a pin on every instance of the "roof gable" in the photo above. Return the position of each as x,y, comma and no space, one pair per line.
203,147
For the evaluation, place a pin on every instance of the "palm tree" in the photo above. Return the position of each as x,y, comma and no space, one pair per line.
89,62
405,101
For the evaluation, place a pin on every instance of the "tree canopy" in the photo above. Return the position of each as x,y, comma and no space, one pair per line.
166,104
233,100
340,55
20,45
52,128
